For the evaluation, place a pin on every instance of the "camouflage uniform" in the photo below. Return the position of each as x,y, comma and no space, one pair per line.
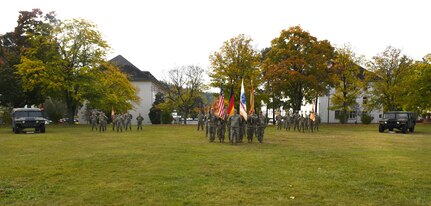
287,121
261,125
103,121
119,120
212,125
278,121
251,126
93,119
207,119
234,125
139,119
201,121
128,121
221,129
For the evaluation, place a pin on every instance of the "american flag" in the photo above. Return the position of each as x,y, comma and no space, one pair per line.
221,104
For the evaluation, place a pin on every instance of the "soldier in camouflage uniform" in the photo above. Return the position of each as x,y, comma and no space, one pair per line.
234,125
128,121
93,120
261,125
221,128
287,121
139,119
119,120
103,121
212,125
251,126
278,121
316,122
201,119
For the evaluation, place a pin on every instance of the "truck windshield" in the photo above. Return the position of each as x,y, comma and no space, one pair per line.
389,116
28,114
402,116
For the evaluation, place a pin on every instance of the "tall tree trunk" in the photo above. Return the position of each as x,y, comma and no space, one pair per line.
185,117
71,109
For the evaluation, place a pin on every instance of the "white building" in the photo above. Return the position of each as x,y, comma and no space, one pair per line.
148,86
330,116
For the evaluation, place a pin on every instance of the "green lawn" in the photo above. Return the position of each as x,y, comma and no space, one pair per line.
176,165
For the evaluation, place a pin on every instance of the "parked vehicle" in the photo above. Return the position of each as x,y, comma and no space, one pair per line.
23,118
404,121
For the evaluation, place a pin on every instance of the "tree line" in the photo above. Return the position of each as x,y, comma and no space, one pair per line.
65,60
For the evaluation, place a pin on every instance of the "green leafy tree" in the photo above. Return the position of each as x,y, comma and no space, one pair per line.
13,45
417,96
390,69
349,81
155,112
65,63
184,86
111,89
236,60
296,65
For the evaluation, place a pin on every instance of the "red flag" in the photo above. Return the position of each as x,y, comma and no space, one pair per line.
221,104
230,108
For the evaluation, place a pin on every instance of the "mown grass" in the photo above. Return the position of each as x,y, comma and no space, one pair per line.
176,165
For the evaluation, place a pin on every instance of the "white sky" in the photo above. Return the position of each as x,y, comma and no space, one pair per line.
158,35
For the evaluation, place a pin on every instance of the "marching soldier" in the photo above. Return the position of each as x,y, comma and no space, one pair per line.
221,128
212,125
278,121
296,121
261,125
103,121
242,125
128,119
139,119
234,125
201,119
251,126
287,121
207,119
93,119
120,121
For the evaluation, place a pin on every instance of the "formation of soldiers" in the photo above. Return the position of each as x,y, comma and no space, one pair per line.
99,121
300,121
237,127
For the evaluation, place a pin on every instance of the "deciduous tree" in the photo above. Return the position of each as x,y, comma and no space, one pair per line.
184,86
389,69
297,66
350,77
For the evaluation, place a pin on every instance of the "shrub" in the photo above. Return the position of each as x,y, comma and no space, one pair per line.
366,118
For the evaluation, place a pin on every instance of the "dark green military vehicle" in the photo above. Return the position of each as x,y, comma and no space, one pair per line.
404,121
23,118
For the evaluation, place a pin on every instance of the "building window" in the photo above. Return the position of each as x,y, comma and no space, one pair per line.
364,100
337,114
351,114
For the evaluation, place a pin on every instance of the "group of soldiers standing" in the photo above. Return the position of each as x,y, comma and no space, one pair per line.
300,121
235,124
99,121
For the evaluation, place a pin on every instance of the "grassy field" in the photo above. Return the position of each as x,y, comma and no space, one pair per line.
176,165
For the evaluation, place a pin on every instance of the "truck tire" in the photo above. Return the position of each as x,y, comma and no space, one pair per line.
404,129
17,130
381,129
412,129
42,129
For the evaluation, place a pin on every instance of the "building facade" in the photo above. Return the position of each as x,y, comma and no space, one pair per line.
147,88
327,115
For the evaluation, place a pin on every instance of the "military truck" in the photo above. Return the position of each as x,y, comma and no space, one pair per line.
404,121
23,118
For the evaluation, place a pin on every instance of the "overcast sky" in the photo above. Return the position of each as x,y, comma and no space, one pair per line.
158,35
